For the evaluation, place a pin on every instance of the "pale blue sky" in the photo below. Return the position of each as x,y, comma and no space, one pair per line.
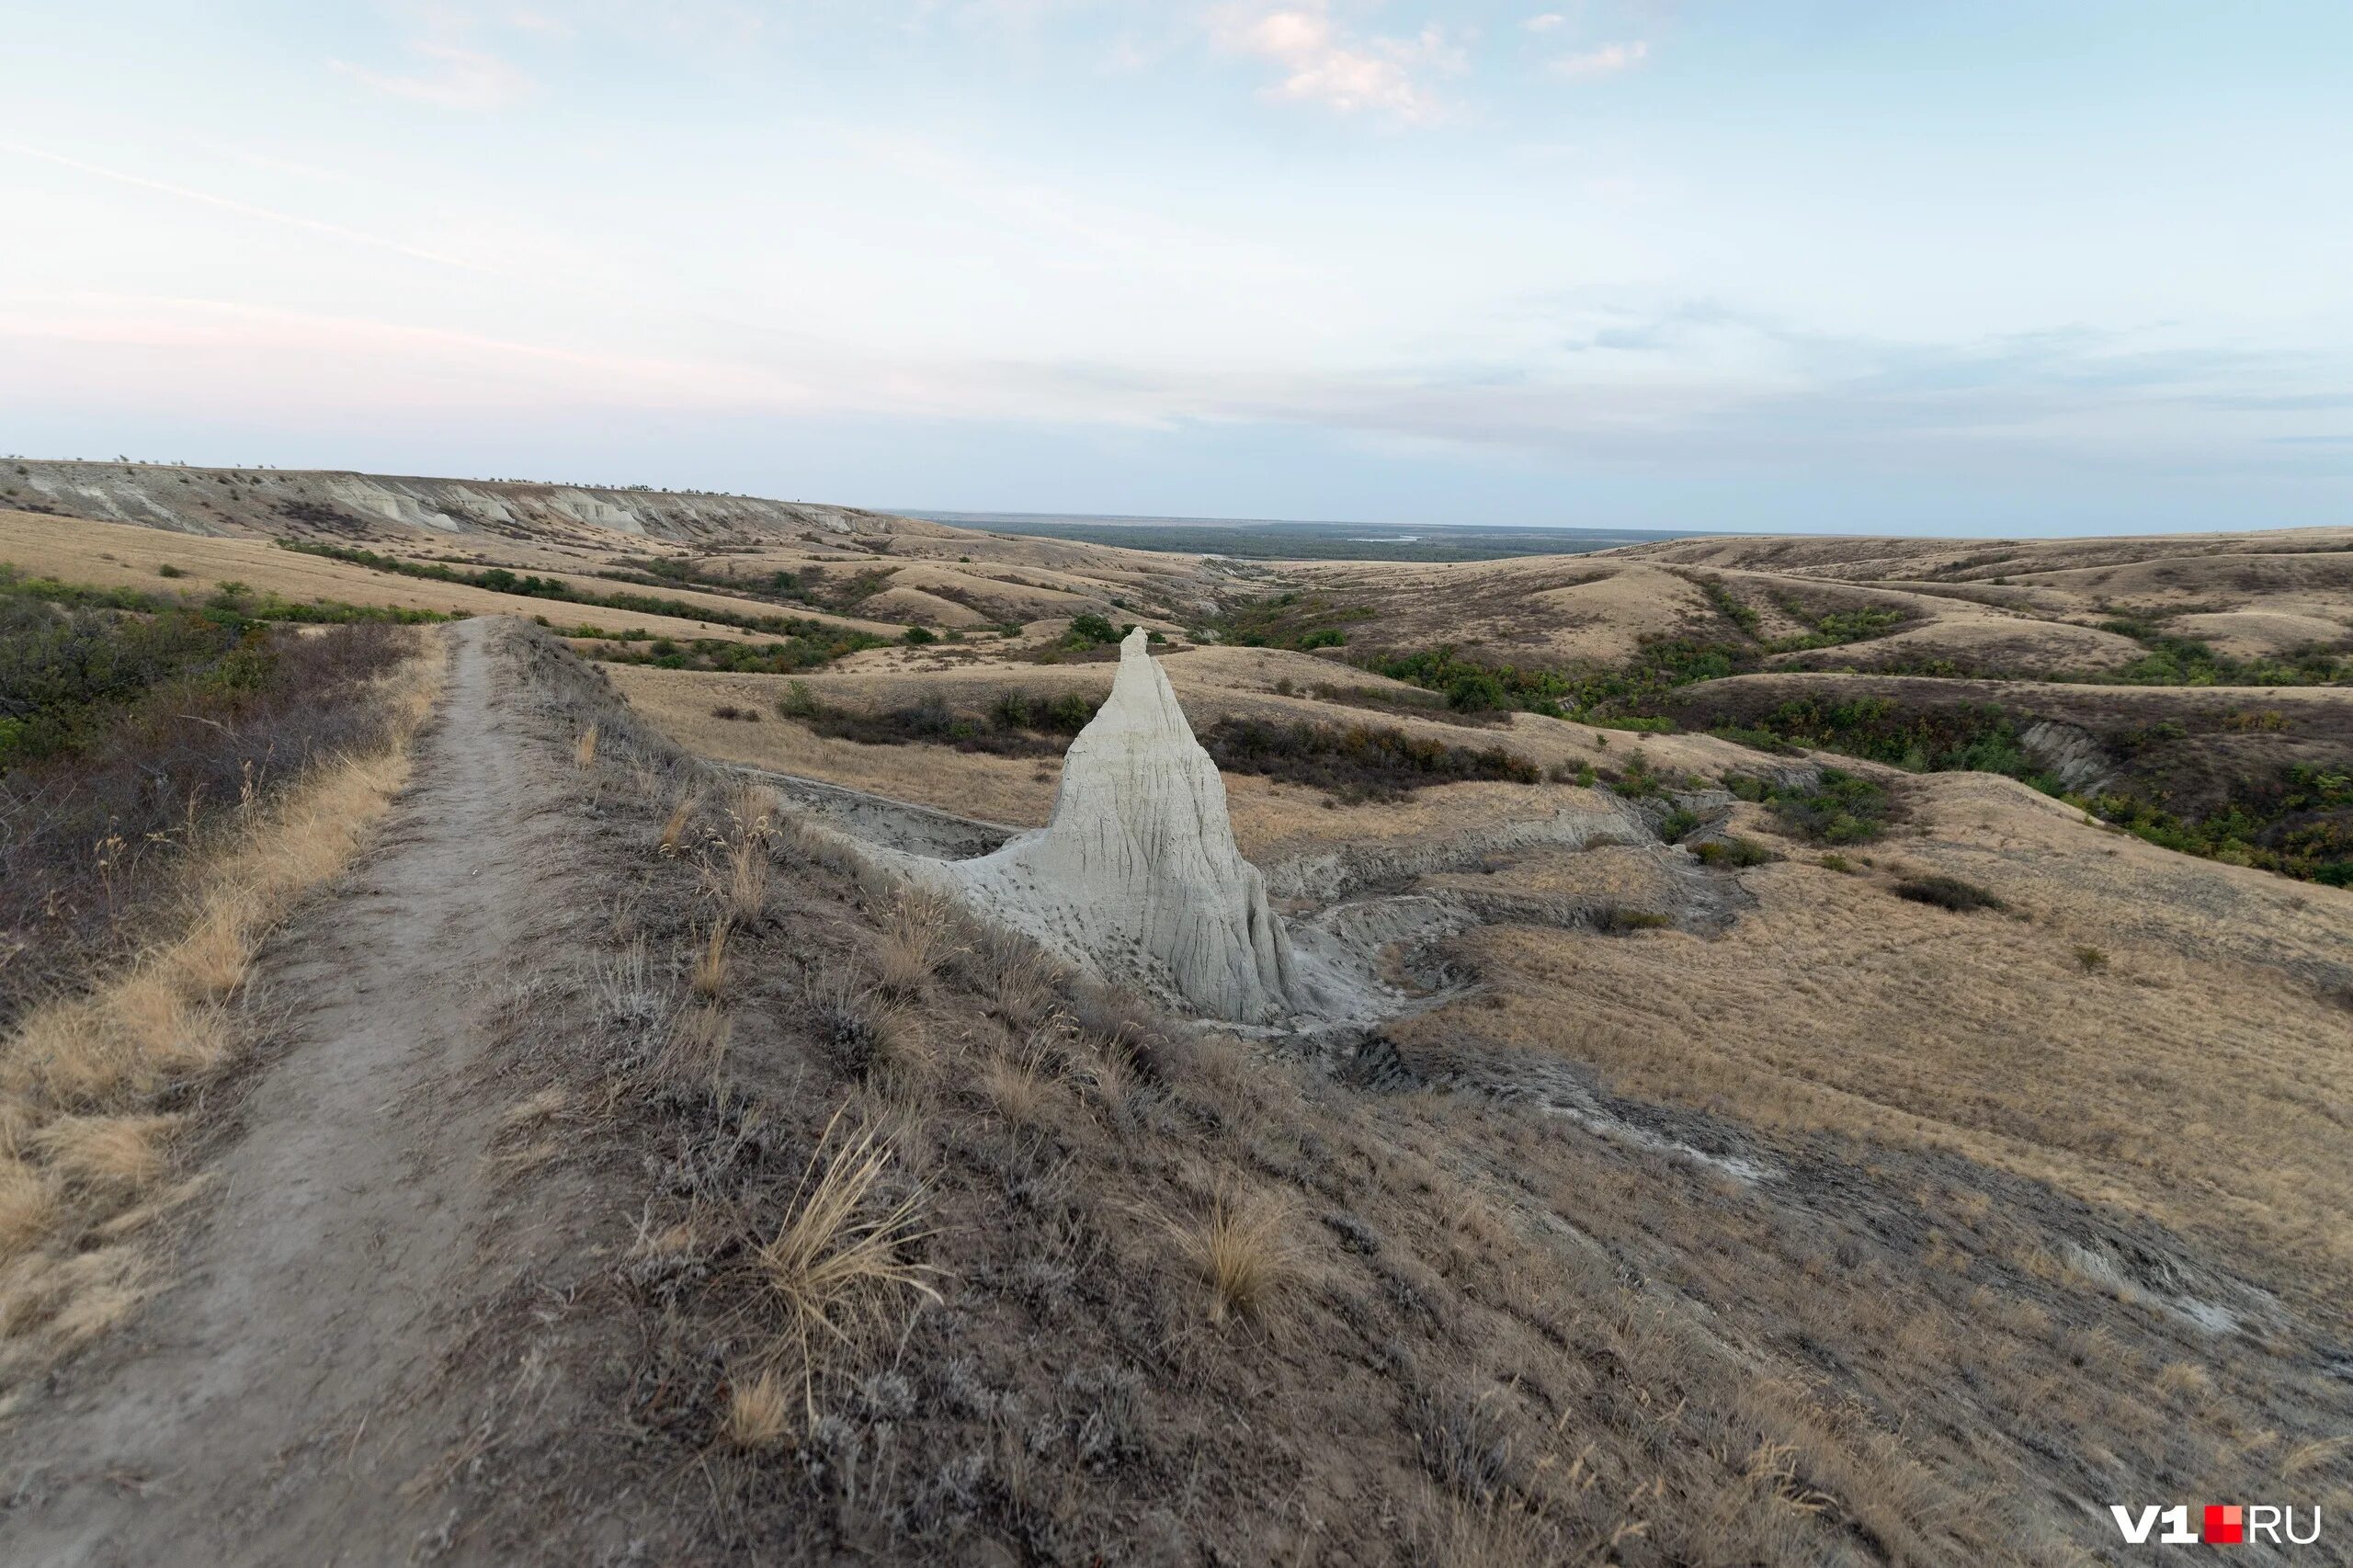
2000,269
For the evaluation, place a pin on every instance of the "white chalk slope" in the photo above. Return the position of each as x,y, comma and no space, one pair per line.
1138,874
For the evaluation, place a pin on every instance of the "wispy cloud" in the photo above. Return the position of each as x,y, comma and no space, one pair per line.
1604,60
243,208
453,76
1380,74
1545,22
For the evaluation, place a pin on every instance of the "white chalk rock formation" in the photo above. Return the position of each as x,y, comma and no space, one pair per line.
1138,871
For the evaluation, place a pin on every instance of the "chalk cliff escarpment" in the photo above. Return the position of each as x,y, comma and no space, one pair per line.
1138,872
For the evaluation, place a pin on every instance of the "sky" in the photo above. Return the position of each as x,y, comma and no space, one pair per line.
1995,269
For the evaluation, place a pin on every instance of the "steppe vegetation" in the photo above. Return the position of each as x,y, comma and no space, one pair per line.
174,779
1778,1162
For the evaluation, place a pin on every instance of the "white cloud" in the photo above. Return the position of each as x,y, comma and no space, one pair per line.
1606,61
1323,66
454,77
1545,22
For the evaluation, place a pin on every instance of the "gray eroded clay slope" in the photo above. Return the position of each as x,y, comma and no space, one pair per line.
273,501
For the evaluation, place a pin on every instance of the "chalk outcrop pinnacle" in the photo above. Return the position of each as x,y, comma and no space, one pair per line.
1138,869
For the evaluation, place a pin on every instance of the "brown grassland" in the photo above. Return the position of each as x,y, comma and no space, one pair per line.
1718,1193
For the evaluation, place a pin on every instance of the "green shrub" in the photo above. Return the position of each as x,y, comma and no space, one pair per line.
1677,822
1842,809
1947,892
1738,853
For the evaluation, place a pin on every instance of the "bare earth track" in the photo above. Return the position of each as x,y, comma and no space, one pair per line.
269,1415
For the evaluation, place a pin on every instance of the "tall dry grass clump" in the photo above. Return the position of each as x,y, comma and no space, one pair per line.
747,878
1243,1253
758,1411
708,976
80,1144
918,936
674,827
840,1266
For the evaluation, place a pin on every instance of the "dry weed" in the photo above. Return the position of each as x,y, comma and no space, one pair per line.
115,1150
871,1038
1245,1254
28,1201
1020,1081
918,937
708,976
697,1046
840,1265
757,1412
674,827
746,880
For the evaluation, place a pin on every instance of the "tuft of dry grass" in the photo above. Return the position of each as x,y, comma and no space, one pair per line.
840,1265
696,1045
1020,1081
584,750
114,1151
747,878
873,1039
708,976
918,937
28,1203
674,827
758,1413
1245,1254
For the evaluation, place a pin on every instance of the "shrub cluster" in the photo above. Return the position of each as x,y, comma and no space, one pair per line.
121,734
1841,809
1358,762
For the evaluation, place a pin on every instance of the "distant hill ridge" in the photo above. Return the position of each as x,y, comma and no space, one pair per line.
270,501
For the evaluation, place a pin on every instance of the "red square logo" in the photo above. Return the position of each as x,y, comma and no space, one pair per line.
2225,1526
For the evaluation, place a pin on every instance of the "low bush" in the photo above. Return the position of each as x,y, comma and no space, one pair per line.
122,734
1738,853
1947,892
1359,762
1016,724
1842,808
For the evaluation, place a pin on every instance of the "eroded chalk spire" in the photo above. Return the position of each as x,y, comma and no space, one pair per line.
1138,871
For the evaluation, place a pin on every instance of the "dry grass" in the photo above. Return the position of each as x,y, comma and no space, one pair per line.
111,1151
759,1411
918,936
872,1038
707,977
123,555
80,1074
839,1266
27,1204
1741,1025
745,882
1020,1081
674,827
1243,1253
698,1042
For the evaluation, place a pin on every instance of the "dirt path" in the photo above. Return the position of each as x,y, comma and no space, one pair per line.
267,1407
